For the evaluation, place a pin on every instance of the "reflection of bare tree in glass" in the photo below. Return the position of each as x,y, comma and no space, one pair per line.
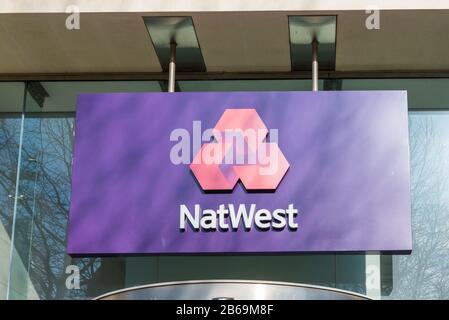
42,214
425,273
9,149
46,180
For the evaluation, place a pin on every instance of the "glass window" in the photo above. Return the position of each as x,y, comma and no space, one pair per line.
422,93
42,270
39,262
247,85
11,106
10,126
56,96
11,96
425,273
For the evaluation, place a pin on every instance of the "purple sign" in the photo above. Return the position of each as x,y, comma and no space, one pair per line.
240,172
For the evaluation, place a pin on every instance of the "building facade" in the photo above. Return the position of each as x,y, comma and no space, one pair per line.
52,51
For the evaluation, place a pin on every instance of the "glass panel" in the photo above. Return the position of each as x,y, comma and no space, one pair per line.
9,151
247,85
422,93
11,96
61,96
319,270
425,273
40,267
11,105
40,262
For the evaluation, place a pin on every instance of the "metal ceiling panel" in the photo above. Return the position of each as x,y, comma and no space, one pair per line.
164,30
303,29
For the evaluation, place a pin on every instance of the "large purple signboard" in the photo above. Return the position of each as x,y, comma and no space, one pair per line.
240,172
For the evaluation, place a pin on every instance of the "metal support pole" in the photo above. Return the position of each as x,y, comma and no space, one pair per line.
314,65
172,67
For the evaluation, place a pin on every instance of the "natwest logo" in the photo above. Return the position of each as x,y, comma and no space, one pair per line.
239,150
239,147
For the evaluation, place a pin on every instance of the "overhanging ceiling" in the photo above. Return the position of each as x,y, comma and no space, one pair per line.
411,40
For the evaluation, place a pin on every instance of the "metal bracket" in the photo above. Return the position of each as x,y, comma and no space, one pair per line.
303,31
164,31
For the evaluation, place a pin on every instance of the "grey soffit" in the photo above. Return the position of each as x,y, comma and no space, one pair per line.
303,29
164,30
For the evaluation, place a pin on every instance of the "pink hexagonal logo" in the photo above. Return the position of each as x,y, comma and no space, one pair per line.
239,151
